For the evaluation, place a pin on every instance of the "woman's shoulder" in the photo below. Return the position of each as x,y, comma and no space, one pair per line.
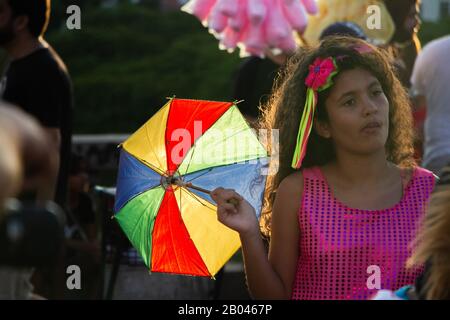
288,196
419,172
291,186
419,177
294,182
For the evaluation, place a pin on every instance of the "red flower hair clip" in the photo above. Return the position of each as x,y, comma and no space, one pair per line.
321,73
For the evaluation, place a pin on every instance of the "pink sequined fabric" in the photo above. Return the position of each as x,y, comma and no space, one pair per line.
343,250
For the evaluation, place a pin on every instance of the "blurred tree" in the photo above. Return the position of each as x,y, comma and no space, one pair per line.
432,30
126,60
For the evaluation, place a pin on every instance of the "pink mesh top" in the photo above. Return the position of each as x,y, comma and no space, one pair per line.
338,244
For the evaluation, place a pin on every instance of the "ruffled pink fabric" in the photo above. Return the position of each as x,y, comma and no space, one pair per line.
254,25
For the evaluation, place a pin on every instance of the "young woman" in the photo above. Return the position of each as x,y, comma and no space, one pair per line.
347,199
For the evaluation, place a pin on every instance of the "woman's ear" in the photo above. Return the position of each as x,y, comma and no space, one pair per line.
322,129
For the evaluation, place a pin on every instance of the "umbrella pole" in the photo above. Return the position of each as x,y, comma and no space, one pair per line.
191,186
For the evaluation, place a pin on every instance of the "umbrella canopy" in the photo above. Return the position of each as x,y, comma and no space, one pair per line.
173,226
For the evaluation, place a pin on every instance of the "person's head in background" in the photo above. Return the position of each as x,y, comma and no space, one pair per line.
405,44
348,29
433,245
79,177
405,14
22,21
24,158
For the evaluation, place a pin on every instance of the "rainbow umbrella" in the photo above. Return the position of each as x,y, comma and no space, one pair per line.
166,170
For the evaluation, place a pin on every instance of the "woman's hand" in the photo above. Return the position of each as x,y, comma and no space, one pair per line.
235,212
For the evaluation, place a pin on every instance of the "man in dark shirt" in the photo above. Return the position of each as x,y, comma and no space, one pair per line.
37,80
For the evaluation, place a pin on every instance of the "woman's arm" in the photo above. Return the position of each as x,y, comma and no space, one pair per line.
267,277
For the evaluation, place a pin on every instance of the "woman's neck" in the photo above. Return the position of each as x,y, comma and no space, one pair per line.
361,170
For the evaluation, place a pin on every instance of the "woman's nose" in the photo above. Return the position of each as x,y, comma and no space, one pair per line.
369,106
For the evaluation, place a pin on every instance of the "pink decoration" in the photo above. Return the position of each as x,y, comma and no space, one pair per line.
310,6
217,21
200,8
296,15
239,20
257,11
277,28
230,39
287,44
255,26
228,7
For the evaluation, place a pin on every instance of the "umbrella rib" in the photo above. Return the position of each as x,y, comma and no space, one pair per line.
258,158
153,151
190,160
193,145
208,171
159,171
217,143
152,167
137,195
197,198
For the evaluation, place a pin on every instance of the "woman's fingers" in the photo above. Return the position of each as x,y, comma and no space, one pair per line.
222,196
226,208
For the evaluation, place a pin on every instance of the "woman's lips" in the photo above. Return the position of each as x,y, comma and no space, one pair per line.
371,127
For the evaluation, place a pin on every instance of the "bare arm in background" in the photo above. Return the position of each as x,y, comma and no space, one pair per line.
34,147
48,181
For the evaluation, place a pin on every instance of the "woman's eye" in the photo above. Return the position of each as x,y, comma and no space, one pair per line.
349,102
377,93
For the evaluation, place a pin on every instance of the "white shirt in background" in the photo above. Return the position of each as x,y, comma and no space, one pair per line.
431,79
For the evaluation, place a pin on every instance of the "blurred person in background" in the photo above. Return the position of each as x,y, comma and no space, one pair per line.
430,79
29,237
404,47
405,42
83,248
37,81
25,151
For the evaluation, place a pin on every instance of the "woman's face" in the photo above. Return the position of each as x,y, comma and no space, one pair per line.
358,113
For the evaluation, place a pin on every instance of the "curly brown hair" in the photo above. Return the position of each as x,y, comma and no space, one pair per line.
285,106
